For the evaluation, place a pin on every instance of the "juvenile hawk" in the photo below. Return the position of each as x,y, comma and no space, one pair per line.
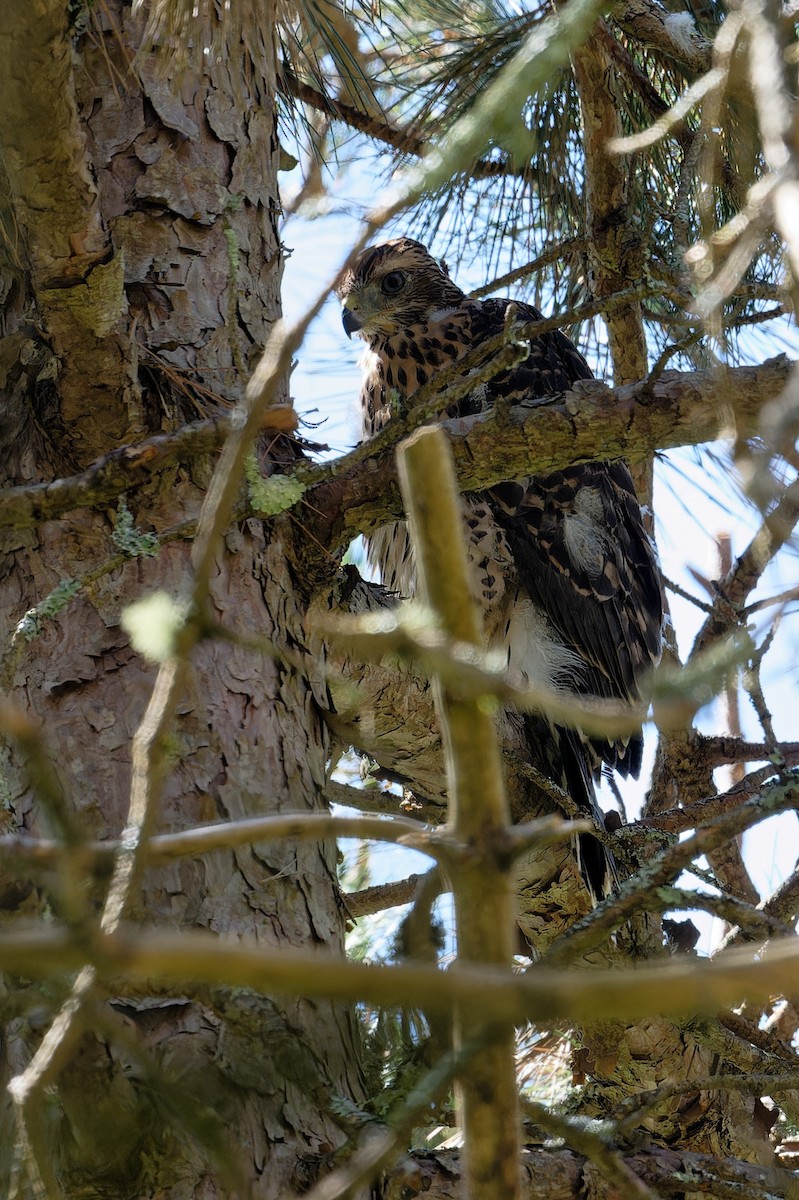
561,564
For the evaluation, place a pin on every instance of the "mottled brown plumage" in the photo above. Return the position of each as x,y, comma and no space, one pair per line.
560,564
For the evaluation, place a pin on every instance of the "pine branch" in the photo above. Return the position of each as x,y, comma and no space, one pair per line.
746,571
404,140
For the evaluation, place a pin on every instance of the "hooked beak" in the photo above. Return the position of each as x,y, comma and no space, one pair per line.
350,321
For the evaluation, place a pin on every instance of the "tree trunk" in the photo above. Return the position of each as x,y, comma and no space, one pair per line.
123,315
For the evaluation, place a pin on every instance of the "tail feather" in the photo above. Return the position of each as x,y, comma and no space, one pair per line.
570,762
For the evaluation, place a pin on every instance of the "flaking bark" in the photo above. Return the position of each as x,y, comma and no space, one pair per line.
230,1090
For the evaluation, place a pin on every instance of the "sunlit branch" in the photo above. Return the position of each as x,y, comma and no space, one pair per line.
542,994
675,115
478,813
439,843
552,254
471,672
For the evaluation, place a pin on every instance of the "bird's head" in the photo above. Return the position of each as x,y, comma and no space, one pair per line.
392,286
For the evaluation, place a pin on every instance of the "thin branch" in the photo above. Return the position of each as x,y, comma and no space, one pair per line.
677,820
384,803
634,1108
756,1036
673,117
437,842
593,929
747,1047
552,254
402,139
686,595
777,527
782,905
749,918
781,598
472,672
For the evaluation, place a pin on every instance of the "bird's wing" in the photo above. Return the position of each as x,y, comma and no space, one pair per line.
577,535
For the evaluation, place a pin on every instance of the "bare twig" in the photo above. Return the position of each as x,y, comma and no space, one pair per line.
554,253
676,820
775,530
402,139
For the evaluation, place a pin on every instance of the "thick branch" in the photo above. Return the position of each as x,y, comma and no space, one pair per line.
651,24
733,590
123,469
359,492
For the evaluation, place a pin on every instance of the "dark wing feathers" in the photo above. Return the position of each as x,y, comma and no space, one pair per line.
578,541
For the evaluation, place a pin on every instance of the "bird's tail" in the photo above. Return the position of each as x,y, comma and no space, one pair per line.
567,758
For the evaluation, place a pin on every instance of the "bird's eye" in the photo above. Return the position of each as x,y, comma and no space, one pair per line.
393,283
